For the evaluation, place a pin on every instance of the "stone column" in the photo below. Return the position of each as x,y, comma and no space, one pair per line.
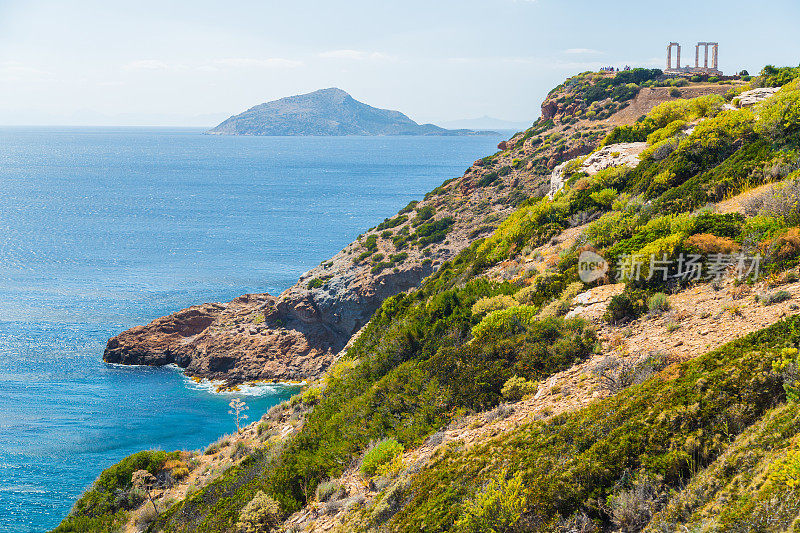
715,56
705,60
678,66
669,56
697,56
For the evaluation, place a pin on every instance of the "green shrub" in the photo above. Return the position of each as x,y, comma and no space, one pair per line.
779,116
423,214
777,297
410,207
327,489
658,303
261,515
371,242
495,509
393,222
493,303
787,471
312,395
604,198
433,231
380,454
504,322
516,388
788,367
771,76
626,306
474,374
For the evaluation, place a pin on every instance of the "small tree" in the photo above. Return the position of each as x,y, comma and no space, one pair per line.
145,481
237,407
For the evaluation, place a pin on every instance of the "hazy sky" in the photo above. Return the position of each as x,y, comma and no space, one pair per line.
168,62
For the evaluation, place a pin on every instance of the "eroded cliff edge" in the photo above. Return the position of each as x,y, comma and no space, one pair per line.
297,334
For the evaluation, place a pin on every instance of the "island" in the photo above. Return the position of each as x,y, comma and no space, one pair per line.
326,112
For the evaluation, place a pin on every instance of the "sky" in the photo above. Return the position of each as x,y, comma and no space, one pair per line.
196,62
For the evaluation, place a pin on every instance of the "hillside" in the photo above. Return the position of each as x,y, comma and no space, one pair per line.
505,390
297,334
325,112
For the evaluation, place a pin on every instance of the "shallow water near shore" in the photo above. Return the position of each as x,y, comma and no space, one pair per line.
102,229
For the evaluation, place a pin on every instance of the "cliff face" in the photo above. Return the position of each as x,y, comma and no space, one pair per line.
297,334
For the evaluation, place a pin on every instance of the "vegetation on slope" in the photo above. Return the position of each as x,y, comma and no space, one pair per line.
429,356
103,507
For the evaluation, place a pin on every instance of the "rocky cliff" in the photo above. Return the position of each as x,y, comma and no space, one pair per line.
297,334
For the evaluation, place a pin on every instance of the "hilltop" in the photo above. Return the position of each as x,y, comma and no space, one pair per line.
499,388
325,112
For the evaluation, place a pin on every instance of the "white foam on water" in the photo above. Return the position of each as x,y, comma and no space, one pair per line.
214,386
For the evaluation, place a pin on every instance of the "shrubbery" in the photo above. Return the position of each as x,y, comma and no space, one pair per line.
460,342
629,305
104,504
261,515
516,388
380,454
495,509
658,303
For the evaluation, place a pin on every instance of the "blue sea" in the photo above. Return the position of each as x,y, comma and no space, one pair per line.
102,229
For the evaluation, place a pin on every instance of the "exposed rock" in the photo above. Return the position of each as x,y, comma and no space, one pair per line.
297,334
755,96
260,337
593,303
614,155
549,109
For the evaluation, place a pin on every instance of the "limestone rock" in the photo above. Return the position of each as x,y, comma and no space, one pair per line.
755,96
614,155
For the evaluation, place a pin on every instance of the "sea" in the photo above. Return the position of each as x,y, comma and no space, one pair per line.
102,229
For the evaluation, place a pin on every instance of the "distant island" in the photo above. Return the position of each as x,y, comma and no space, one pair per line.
326,112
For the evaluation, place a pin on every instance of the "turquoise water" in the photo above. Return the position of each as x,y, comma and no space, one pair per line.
104,229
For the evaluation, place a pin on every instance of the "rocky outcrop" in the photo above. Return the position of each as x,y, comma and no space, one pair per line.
749,98
614,155
261,337
297,334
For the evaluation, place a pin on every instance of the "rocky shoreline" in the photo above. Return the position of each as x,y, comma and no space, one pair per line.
297,335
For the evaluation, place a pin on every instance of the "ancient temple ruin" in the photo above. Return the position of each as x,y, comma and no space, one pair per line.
696,69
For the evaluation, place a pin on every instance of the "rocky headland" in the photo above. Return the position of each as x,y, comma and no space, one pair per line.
297,334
